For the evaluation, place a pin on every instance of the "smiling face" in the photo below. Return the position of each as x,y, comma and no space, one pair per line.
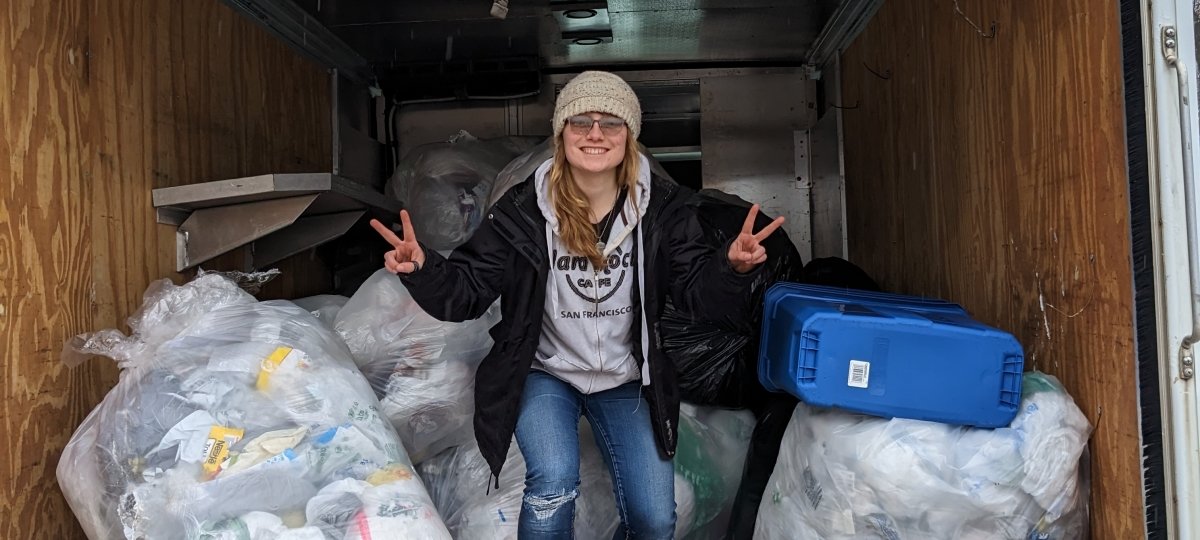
595,142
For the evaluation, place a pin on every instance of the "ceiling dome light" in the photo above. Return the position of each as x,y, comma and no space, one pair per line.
588,41
579,13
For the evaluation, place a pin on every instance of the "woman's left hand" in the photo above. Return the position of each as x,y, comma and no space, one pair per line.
746,251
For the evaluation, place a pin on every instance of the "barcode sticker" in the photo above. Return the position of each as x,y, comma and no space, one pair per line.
860,374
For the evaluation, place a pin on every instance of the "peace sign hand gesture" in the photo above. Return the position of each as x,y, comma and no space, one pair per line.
746,251
407,257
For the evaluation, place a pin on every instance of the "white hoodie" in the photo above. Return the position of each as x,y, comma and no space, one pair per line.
587,325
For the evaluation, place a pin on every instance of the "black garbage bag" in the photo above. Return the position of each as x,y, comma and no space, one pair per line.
837,272
717,360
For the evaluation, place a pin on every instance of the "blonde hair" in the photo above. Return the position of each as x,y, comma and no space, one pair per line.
571,207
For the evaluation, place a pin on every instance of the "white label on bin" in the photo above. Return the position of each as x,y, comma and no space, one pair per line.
860,374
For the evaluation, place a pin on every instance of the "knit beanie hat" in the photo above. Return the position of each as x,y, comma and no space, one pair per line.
602,92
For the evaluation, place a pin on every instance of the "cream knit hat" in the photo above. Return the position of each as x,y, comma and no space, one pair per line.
602,92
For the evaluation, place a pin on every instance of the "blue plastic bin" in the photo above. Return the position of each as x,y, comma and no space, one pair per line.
888,355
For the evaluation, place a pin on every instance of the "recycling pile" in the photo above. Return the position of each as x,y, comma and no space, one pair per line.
237,419
842,475
422,369
446,185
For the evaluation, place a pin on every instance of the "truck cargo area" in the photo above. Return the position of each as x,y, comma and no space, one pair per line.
992,153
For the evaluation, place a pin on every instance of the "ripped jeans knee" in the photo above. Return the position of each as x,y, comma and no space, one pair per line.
548,513
545,506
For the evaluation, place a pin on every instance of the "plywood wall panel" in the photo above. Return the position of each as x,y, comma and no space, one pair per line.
45,244
108,101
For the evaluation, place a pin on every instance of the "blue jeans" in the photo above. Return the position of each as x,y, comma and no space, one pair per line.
548,435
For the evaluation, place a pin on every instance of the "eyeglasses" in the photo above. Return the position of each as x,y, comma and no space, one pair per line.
582,125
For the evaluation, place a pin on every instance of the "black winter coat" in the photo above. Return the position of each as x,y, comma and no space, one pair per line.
507,258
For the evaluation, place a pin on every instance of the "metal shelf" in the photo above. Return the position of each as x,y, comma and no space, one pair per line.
278,215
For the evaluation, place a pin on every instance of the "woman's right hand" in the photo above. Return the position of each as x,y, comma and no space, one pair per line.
407,256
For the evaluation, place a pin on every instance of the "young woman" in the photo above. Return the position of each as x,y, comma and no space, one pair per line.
583,256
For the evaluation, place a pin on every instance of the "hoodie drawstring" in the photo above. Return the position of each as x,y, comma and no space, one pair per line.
641,274
551,283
